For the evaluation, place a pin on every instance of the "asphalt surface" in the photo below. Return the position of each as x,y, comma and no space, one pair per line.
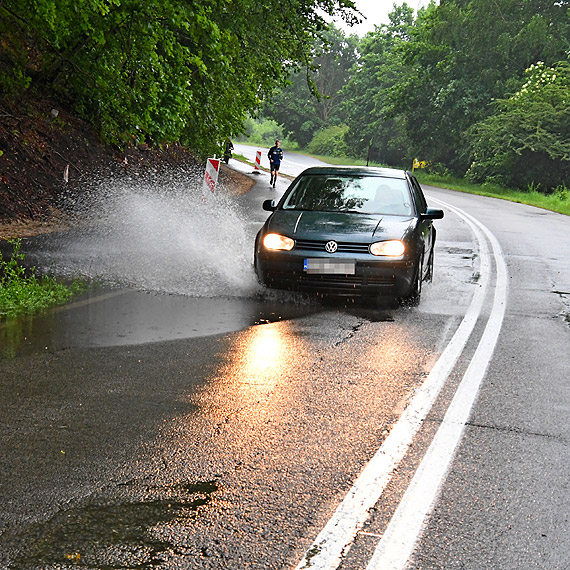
145,427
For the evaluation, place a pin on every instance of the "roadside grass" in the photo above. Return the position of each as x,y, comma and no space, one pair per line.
343,160
22,292
557,201
241,158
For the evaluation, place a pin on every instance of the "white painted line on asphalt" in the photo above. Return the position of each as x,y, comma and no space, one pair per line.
336,537
407,523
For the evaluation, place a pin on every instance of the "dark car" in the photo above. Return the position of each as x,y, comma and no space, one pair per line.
349,231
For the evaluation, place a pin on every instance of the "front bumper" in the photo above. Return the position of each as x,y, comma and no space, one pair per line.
373,276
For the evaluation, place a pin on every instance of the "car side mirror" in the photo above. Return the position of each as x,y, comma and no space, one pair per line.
269,205
432,214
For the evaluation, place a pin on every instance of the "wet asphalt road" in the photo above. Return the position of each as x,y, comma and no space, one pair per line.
149,430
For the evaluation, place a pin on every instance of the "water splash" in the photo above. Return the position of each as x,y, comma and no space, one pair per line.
157,234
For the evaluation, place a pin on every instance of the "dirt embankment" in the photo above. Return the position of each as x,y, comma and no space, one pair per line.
46,152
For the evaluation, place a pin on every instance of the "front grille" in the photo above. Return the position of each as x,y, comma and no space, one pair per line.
337,279
343,247
332,282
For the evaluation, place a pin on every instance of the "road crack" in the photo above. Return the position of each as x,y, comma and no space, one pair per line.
519,431
351,333
565,297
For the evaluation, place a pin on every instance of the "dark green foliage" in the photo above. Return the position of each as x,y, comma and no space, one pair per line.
160,70
439,88
330,142
374,131
527,140
22,292
462,56
314,98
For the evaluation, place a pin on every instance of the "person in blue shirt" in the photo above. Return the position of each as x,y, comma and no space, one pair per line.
275,156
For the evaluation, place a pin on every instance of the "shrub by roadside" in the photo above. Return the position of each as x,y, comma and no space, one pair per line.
22,292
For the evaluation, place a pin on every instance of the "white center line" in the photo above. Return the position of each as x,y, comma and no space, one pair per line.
406,525
336,537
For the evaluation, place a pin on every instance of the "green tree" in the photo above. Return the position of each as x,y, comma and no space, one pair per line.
313,98
527,141
330,142
460,57
159,70
373,131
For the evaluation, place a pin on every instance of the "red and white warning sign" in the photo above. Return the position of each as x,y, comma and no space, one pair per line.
257,163
211,176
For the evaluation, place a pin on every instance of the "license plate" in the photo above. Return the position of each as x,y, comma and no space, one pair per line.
329,266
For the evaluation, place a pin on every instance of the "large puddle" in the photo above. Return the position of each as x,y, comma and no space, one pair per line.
163,264
125,317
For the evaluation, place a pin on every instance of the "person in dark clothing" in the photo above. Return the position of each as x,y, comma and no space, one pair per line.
275,156
228,150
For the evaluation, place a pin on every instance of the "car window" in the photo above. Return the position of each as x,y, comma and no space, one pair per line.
360,194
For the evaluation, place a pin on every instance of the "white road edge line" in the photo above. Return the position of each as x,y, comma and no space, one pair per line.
336,537
407,523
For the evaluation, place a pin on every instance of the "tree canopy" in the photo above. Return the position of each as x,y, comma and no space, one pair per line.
159,70
526,141
313,98
469,86
476,87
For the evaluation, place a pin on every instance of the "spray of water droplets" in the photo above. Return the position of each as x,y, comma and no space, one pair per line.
158,234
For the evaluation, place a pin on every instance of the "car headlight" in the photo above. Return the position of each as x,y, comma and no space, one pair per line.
276,241
392,248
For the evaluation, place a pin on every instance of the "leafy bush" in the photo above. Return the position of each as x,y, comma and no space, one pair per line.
330,141
561,192
527,141
264,132
22,292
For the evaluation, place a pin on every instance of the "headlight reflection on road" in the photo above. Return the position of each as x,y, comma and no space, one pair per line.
254,386
264,355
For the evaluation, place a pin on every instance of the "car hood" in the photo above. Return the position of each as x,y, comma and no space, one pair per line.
340,225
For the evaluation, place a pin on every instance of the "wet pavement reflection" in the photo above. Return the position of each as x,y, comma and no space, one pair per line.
127,317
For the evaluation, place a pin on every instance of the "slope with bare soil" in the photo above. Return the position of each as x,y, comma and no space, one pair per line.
46,153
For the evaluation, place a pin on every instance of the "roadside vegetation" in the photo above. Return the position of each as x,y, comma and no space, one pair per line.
478,98
557,201
477,90
22,292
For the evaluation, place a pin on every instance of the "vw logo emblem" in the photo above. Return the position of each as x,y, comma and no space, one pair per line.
331,246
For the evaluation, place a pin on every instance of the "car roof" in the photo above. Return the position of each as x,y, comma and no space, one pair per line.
356,170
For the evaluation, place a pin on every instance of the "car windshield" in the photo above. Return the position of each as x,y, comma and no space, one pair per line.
360,194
